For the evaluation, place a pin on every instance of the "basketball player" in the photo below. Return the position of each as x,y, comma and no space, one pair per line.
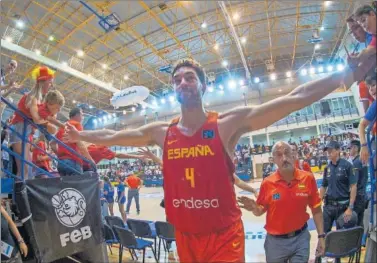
198,147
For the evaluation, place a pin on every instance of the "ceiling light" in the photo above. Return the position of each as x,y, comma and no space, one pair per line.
221,87
322,28
126,77
95,121
9,39
216,46
243,40
232,84
304,72
210,88
327,3
330,68
163,101
80,53
90,107
143,106
340,67
171,98
20,24
104,66
114,115
204,25
64,63
124,112
317,46
241,82
280,90
288,74
51,38
312,70
133,109
273,76
236,16
320,69
256,80
224,63
74,101
37,51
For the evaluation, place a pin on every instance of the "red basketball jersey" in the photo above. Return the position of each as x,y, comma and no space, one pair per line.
198,180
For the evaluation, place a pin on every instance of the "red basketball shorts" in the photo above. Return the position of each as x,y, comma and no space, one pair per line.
227,245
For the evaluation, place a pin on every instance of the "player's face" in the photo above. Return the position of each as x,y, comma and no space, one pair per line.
283,157
187,86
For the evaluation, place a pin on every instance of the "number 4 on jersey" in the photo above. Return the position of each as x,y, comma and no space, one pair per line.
189,174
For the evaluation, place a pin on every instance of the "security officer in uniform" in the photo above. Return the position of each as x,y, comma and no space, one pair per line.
362,173
339,187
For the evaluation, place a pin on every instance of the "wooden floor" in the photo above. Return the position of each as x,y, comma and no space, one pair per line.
150,199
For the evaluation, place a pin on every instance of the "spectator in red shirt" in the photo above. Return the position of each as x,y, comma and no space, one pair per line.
299,164
40,158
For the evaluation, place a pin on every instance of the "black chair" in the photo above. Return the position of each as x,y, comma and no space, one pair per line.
166,232
344,243
142,229
114,221
128,240
110,237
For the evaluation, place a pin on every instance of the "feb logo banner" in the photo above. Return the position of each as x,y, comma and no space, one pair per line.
66,215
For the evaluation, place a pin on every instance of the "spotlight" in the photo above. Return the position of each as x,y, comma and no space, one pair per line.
171,98
243,40
241,82
204,25
163,101
155,103
104,66
288,74
304,72
320,69
232,84
330,68
9,39
38,52
210,88
133,109
317,46
340,67
322,28
124,112
221,87
114,115
216,46
224,63
312,71
125,77
94,121
256,80
20,24
80,53
273,76
51,38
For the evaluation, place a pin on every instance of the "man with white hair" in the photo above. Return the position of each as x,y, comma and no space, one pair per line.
288,191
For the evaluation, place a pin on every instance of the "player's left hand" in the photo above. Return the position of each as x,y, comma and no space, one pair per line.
320,251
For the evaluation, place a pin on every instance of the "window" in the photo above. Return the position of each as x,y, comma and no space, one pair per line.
347,103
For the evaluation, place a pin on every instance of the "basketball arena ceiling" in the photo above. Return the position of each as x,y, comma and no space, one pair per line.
126,43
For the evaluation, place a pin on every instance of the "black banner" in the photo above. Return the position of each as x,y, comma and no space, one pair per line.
66,215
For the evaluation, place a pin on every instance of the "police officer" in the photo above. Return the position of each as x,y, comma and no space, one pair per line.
362,174
339,187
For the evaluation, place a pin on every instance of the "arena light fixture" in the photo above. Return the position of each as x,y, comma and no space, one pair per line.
243,40
104,66
320,69
20,24
304,72
236,16
114,115
216,46
312,71
125,77
317,46
224,63
204,25
80,53
256,80
95,121
241,82
273,76
221,87
171,98
322,28
124,112
38,52
210,88
163,101
51,38
330,68
133,109
232,84
288,74
340,67
9,39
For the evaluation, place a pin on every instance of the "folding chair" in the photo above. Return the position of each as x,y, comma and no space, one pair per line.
114,221
344,243
142,229
166,233
110,237
128,240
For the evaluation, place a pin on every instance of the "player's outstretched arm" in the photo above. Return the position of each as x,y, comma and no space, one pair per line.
142,136
246,119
